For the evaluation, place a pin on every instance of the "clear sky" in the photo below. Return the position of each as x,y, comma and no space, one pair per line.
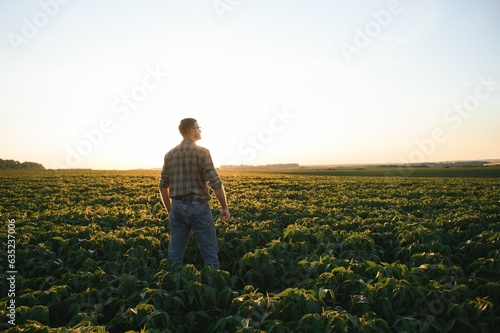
104,84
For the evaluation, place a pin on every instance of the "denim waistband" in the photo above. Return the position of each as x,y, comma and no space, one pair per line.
189,199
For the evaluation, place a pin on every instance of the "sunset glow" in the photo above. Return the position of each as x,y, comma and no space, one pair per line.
104,85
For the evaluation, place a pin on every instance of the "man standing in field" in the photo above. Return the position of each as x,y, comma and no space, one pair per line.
187,173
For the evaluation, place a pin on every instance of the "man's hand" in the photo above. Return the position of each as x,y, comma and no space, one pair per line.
220,193
224,214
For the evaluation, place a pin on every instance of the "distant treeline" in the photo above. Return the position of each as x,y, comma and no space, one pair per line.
11,164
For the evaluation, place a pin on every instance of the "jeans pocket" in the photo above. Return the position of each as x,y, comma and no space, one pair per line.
201,206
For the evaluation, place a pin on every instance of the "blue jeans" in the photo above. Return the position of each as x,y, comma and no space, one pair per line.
197,216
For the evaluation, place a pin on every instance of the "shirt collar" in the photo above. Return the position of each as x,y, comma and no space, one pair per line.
187,142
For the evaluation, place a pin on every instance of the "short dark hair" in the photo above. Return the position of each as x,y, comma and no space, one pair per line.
185,125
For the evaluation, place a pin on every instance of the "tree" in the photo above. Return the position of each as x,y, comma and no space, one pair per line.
11,164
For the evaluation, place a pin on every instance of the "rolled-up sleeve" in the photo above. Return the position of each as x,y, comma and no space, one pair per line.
209,172
164,176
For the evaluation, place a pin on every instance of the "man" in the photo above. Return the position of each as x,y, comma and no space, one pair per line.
187,173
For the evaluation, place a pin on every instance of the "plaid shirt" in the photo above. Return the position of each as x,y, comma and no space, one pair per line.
188,170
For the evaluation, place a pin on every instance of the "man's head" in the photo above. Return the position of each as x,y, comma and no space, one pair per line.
189,129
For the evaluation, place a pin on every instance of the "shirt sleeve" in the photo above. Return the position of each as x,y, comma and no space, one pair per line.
164,177
209,172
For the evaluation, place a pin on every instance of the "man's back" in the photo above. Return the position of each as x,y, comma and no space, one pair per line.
187,169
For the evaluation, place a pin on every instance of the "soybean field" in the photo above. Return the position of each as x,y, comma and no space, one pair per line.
86,251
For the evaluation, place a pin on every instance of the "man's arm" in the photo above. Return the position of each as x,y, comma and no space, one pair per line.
165,199
220,193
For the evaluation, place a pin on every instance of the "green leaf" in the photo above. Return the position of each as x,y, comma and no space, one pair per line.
449,326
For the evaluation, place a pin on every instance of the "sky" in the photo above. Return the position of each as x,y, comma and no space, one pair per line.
104,84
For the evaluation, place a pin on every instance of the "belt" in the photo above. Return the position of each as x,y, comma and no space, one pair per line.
188,199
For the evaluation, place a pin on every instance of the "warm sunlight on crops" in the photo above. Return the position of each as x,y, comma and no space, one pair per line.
301,253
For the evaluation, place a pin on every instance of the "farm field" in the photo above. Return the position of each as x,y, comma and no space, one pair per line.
304,251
